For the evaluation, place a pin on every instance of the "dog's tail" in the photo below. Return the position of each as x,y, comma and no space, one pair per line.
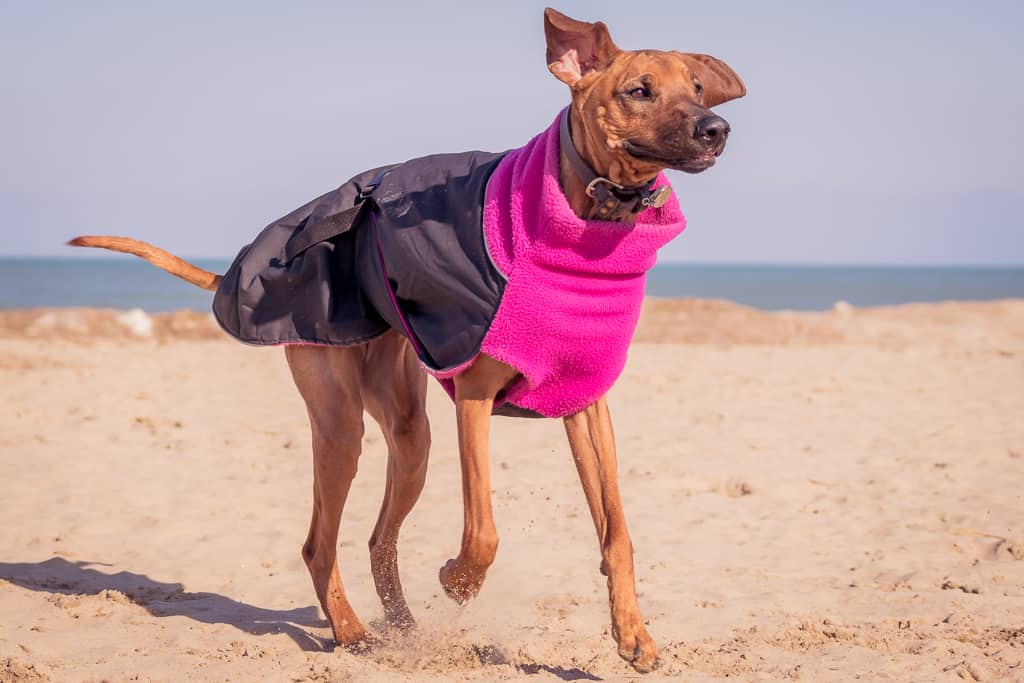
158,257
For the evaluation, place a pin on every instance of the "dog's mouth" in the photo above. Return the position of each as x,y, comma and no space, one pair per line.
695,163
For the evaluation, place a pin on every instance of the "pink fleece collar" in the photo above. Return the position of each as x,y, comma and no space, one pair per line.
575,286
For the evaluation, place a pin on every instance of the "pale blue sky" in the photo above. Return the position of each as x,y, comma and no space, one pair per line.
873,132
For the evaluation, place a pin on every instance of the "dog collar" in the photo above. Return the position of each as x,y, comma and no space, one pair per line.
612,201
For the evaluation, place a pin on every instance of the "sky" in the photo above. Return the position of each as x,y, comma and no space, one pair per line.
872,132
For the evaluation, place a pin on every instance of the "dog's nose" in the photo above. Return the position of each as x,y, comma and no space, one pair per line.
712,130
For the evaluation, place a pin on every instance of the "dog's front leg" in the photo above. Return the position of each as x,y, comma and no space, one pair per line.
593,448
475,389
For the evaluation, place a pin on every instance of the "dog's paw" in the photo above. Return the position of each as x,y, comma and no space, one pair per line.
637,647
461,584
360,644
399,620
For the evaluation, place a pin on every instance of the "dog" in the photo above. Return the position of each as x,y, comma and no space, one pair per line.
632,115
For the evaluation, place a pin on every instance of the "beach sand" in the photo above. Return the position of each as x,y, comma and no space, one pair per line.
812,496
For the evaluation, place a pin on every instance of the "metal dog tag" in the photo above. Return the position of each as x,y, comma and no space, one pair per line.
659,197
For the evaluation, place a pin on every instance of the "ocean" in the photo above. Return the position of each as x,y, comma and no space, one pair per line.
129,283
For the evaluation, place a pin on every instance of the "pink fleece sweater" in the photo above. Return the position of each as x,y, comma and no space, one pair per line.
575,286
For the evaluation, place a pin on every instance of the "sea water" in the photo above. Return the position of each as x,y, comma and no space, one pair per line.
126,282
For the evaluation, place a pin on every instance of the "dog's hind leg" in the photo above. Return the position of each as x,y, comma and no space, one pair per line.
395,391
328,380
593,448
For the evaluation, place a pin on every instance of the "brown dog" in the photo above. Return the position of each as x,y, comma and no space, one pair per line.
633,114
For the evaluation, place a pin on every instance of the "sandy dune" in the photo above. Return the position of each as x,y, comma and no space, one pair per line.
812,496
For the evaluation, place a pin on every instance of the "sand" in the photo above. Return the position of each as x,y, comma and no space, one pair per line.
817,497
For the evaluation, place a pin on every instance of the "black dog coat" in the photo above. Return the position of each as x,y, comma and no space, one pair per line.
421,218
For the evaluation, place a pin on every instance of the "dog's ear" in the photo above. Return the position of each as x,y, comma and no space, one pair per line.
575,48
719,81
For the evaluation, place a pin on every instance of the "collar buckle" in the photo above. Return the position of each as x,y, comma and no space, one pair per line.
592,190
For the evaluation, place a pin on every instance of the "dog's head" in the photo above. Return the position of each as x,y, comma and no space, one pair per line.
640,111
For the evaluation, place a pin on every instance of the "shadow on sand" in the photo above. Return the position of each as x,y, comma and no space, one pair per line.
573,674
160,599
58,575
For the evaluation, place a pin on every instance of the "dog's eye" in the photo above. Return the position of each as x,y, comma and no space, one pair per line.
641,93
699,88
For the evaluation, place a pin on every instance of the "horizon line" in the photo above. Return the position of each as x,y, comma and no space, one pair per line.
667,262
